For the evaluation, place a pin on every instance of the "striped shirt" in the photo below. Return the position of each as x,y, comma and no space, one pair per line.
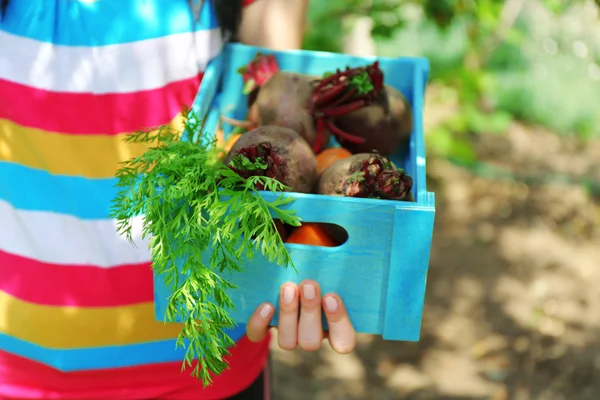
76,300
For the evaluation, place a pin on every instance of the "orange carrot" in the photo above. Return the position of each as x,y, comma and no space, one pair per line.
329,156
311,234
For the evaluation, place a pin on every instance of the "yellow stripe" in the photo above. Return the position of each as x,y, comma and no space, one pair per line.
90,156
75,327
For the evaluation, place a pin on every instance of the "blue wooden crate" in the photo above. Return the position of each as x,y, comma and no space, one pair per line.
381,270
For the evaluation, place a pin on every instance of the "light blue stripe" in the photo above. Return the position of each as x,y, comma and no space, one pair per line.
36,190
103,22
101,357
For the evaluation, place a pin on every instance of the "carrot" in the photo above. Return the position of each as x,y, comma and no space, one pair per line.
311,234
329,156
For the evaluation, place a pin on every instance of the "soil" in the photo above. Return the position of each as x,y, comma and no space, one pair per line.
512,306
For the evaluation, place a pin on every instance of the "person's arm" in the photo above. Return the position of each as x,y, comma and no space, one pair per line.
276,24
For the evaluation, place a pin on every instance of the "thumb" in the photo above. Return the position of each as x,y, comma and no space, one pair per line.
258,325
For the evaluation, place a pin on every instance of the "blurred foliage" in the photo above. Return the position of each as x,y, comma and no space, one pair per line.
536,61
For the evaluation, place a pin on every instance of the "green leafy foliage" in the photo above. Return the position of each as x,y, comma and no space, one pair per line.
244,163
194,205
362,83
329,20
491,53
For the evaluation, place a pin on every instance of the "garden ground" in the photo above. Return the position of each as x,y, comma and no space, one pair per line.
512,305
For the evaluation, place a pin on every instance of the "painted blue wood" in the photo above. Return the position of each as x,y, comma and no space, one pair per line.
381,271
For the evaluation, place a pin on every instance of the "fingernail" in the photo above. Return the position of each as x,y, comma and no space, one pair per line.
309,291
331,303
289,293
266,310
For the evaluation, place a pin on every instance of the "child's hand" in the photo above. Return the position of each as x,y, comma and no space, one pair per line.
306,330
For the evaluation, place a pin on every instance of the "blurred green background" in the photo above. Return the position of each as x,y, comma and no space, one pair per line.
533,61
512,128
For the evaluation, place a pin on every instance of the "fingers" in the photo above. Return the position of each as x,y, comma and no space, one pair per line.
310,328
258,325
342,335
306,330
287,330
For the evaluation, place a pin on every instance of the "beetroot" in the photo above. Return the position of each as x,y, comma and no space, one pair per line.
367,115
342,93
386,123
369,175
352,104
276,152
278,97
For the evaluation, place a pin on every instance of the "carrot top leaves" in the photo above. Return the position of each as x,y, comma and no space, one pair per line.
193,203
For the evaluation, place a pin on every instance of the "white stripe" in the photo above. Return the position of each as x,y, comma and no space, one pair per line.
119,68
62,239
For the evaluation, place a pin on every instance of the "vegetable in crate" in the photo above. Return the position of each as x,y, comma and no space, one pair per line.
368,175
354,105
386,123
312,234
329,156
277,152
194,204
278,97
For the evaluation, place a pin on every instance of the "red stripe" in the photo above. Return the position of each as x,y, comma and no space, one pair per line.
267,382
87,113
25,379
75,285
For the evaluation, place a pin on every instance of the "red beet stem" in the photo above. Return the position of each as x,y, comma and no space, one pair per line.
328,95
376,76
342,109
319,142
348,95
343,134
327,80
337,95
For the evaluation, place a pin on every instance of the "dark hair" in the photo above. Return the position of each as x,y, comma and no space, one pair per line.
3,5
229,13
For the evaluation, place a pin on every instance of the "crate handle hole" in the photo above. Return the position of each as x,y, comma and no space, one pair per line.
320,234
